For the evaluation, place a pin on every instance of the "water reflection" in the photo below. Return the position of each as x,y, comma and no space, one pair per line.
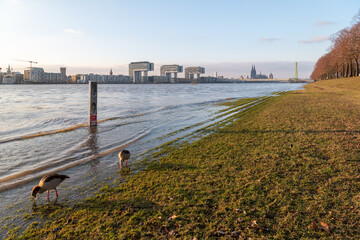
92,141
93,145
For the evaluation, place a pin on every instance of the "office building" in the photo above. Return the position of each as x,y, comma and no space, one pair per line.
37,75
33,75
190,72
169,70
85,78
138,71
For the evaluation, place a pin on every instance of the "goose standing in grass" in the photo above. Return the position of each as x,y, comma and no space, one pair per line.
124,155
49,181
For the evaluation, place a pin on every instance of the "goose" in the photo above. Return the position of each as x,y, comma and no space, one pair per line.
49,181
124,155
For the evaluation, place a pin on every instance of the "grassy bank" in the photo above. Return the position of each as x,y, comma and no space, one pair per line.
287,168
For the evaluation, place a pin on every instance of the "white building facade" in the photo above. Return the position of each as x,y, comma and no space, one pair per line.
85,78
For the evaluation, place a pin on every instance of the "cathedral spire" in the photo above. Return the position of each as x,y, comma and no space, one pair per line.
253,72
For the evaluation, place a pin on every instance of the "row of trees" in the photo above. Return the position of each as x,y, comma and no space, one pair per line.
343,58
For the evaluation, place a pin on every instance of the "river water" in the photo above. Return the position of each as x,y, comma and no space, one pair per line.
44,129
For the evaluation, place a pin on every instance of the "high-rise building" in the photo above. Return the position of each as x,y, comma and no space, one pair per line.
138,71
191,71
168,70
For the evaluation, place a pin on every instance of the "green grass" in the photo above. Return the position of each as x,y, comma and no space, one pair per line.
278,167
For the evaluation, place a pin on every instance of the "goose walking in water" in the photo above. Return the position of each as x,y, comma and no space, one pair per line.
49,181
124,155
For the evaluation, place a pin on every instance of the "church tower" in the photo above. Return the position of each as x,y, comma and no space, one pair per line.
253,72
111,72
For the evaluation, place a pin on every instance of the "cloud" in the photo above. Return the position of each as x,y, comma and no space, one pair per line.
323,23
69,30
315,39
269,39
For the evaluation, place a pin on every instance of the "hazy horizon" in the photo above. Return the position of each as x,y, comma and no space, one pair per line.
228,70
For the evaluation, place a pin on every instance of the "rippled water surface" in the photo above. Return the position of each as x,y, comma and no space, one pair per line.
44,128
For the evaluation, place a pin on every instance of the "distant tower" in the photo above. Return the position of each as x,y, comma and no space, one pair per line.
8,69
111,73
253,72
63,71
296,72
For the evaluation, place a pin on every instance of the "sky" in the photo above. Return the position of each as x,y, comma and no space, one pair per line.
224,36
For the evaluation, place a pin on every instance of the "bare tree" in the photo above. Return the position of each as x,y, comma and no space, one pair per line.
343,57
354,46
356,18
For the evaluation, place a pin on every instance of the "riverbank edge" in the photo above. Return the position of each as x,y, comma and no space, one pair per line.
231,183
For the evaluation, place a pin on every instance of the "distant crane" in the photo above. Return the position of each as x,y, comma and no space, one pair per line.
31,62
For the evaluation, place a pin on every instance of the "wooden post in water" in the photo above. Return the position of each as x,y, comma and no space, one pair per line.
92,104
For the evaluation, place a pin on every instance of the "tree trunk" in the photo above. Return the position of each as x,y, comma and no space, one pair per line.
349,69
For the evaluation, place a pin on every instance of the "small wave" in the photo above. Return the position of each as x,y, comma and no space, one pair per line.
73,153
44,133
9,182
82,125
114,126
68,129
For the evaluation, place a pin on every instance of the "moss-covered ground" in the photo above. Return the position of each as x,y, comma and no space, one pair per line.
286,168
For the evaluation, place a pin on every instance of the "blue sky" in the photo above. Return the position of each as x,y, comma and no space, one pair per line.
226,36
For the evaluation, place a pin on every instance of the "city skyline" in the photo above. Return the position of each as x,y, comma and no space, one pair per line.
227,37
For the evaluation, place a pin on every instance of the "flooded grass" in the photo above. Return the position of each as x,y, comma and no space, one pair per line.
286,168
